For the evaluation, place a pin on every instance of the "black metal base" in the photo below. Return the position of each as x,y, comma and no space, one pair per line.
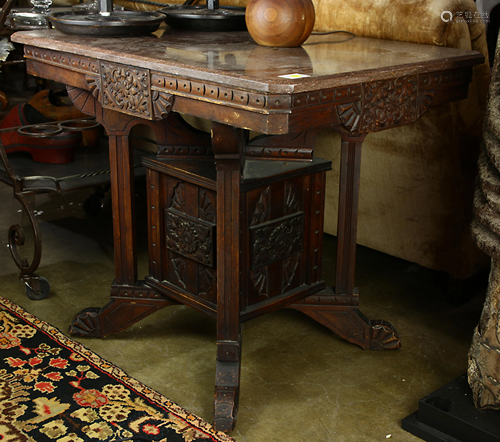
449,415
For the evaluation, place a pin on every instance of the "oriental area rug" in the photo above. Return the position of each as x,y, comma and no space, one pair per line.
54,389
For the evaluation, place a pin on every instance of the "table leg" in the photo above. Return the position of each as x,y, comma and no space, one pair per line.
227,144
131,300
338,309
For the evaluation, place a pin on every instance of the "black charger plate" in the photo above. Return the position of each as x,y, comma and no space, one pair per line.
117,24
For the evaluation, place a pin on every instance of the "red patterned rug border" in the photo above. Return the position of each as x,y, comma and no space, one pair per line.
115,372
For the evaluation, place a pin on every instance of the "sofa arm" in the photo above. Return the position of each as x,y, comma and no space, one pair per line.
411,21
417,22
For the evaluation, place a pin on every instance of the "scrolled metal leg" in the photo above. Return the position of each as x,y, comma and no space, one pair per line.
36,287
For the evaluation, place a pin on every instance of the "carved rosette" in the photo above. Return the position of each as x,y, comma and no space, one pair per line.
187,236
126,89
190,237
277,240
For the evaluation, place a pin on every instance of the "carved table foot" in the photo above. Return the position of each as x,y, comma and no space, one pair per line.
226,396
227,385
341,314
128,305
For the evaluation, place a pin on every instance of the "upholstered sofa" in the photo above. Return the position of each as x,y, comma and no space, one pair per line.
417,181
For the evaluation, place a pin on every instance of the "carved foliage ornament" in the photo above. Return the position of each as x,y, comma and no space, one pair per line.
128,90
384,104
389,103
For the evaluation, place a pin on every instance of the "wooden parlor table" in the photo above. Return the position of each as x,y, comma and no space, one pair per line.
236,221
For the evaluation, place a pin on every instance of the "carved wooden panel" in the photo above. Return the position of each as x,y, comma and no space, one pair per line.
282,235
190,217
182,217
126,89
383,104
388,103
291,202
288,271
179,267
190,237
280,250
277,240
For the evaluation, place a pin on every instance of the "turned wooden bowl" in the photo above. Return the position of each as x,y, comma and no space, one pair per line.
280,23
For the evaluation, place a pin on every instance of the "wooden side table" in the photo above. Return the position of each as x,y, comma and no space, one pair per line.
236,222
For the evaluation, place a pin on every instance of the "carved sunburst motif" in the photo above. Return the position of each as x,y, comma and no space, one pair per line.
179,198
206,278
94,84
292,203
261,213
289,268
206,209
260,280
162,104
425,100
350,115
180,270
